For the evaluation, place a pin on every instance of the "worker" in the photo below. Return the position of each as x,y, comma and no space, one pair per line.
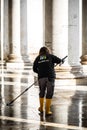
44,65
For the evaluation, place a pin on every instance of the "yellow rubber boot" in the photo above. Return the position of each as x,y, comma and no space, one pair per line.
41,105
48,104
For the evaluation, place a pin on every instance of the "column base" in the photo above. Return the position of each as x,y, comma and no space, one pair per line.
71,75
83,59
14,58
27,60
69,71
14,63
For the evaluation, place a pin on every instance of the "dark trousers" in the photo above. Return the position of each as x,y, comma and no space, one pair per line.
46,87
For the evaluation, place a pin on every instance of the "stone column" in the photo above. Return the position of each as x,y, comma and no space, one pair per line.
1,49
35,27
15,55
67,30
67,38
1,29
48,23
60,28
74,32
23,37
84,33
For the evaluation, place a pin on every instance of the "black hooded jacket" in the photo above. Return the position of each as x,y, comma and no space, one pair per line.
44,65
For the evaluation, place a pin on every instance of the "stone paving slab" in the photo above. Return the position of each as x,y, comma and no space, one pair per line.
69,106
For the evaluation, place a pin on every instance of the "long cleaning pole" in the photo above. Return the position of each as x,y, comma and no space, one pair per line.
10,103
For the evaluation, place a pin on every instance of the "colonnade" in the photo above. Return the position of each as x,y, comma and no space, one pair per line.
58,24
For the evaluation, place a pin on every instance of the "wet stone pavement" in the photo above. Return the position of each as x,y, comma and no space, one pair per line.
69,104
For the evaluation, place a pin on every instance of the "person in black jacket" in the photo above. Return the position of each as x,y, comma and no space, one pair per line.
44,65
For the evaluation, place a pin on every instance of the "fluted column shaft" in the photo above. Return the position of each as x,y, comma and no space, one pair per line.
60,27
84,33
15,45
67,29
35,26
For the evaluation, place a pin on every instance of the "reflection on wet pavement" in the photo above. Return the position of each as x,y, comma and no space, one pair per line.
69,106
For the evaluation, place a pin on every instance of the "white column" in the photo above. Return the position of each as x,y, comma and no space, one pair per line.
2,43
15,54
60,27
66,37
67,30
84,33
48,23
2,28
75,31
35,26
23,35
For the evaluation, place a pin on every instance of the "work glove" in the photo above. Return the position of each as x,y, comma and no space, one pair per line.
62,61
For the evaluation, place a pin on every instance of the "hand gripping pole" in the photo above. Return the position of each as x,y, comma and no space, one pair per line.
62,61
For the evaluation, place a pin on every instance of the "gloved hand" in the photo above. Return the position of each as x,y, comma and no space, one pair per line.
62,61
